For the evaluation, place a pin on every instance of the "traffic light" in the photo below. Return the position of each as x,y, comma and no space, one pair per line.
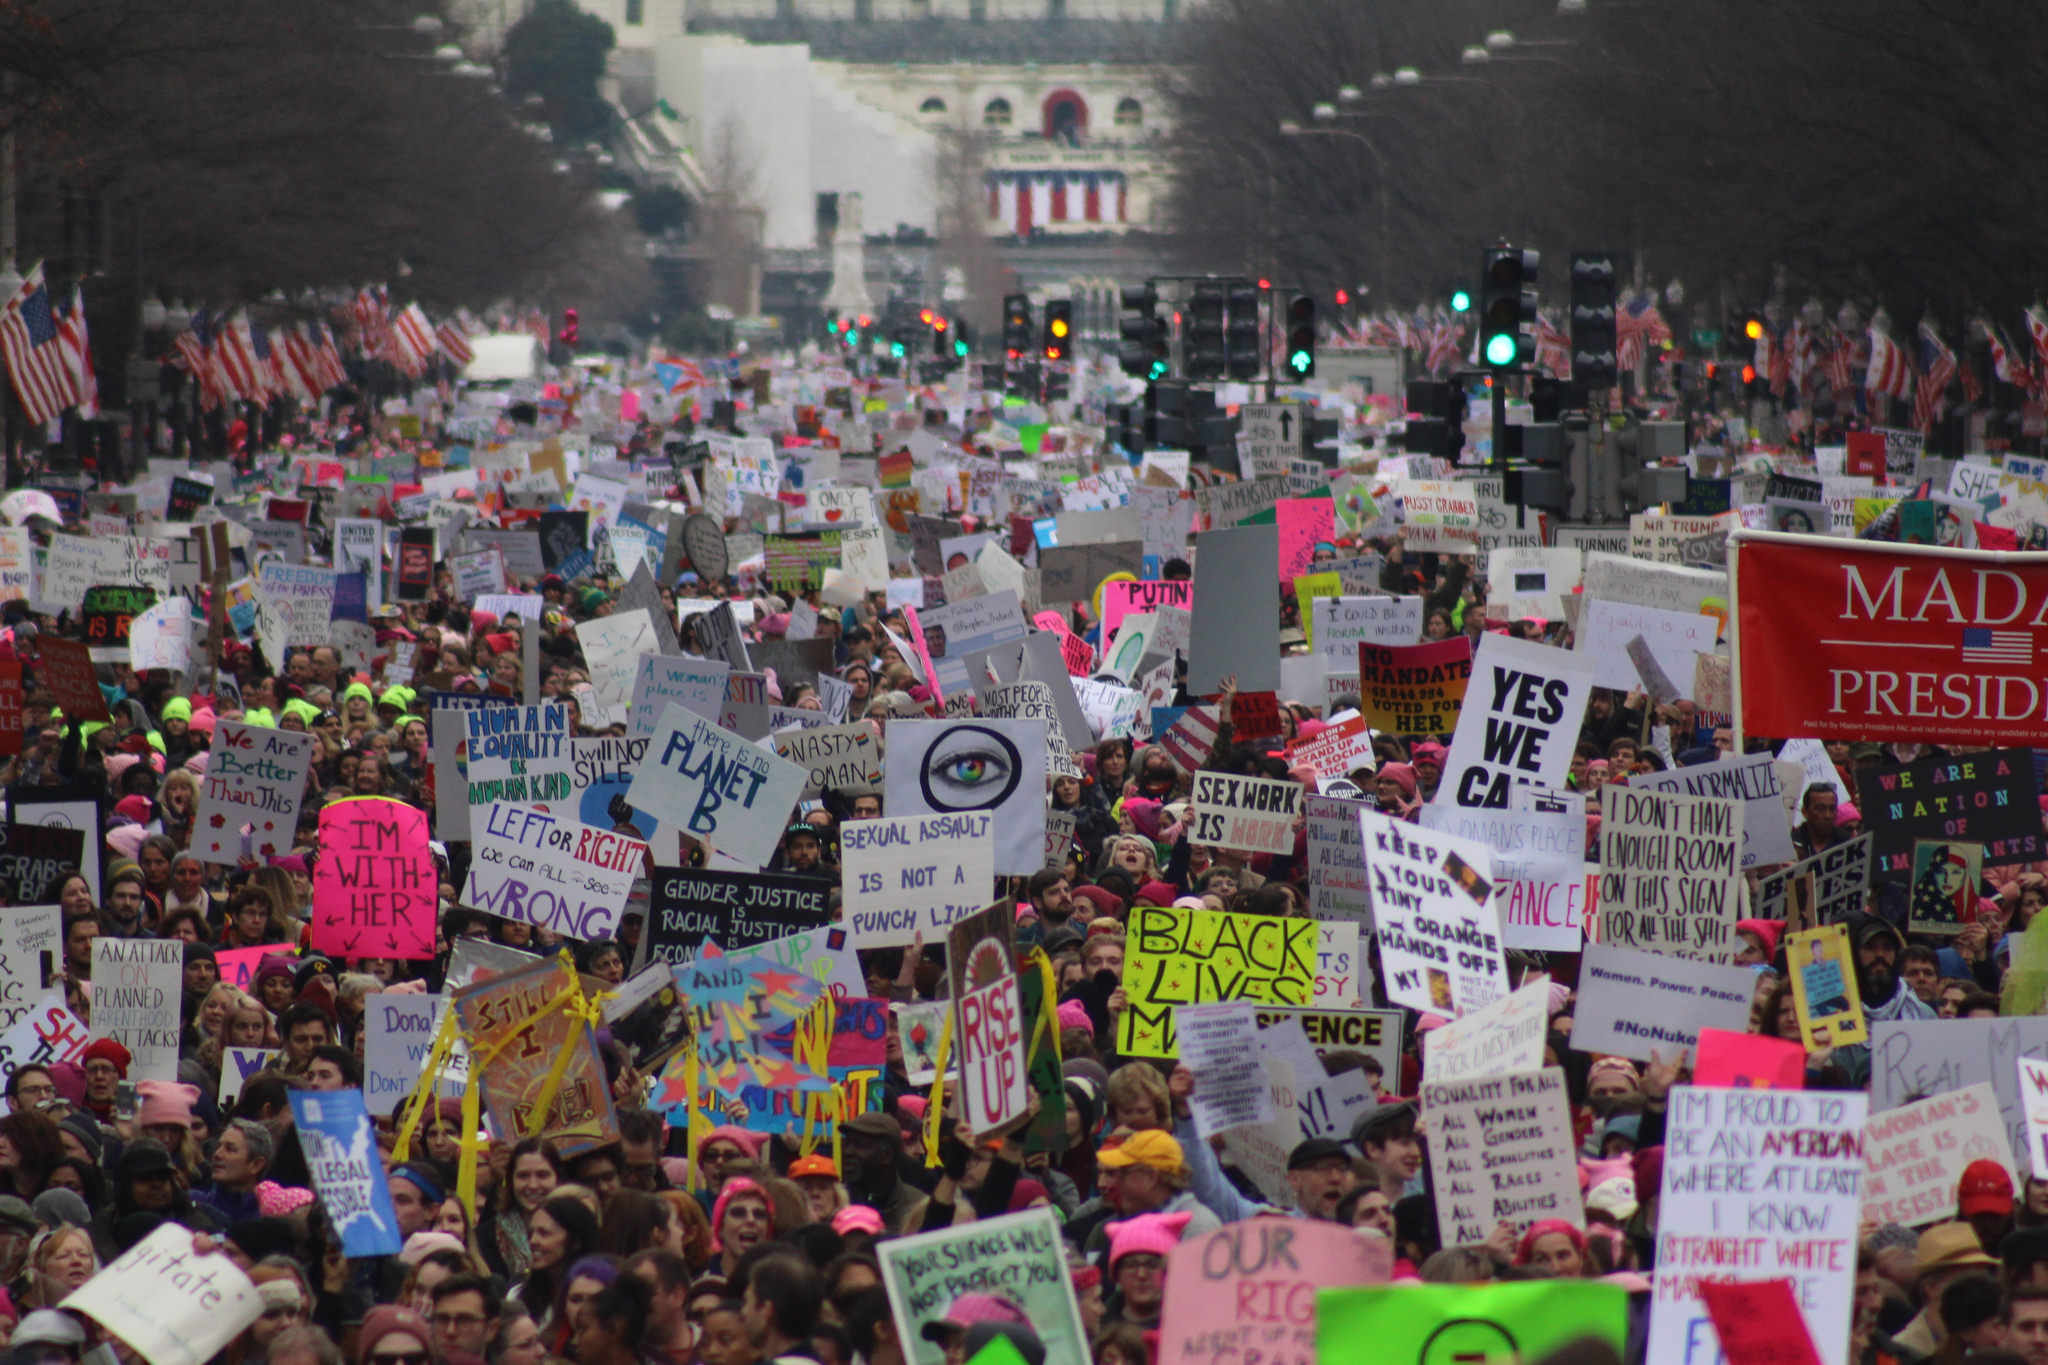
1461,300
1206,354
570,331
942,343
1145,351
1244,339
1301,337
1507,306
1016,325
1753,328
1595,363
963,339
1059,328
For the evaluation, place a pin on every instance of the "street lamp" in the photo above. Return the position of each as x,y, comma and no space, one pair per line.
1323,112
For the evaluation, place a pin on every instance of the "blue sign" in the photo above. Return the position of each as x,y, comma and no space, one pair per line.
340,1144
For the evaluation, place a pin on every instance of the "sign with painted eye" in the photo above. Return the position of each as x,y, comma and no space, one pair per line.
943,767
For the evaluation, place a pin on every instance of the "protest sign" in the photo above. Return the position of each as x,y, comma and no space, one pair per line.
45,1032
840,757
1797,1162
958,767
646,1016
914,874
1342,624
1376,1033
1500,1151
1751,779
398,1036
1121,596
1441,517
376,891
516,754
31,954
36,859
710,784
533,1004
1635,1004
612,646
1984,797
1673,638
238,1064
1337,885
1505,1038
305,594
688,906
1823,888
161,637
1491,1324
1914,1155
249,799
1525,703
1220,1045
1670,879
1824,991
1415,690
2033,1087
734,1005
1191,957
1911,1059
1758,1323
168,1303
1236,630
1858,639
551,872
341,1152
988,1020
68,670
1244,1292
137,987
1249,814
1016,1257
1431,903
1538,864
1726,1058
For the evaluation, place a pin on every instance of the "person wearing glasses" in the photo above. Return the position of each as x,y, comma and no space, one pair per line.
29,1087
465,1315
392,1335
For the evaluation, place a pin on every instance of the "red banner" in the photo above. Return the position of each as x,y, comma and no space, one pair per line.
1850,639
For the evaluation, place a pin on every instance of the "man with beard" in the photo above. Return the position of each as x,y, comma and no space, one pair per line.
1886,996
869,1145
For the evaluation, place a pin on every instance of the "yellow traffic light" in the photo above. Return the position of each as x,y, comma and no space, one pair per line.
1059,327
1753,329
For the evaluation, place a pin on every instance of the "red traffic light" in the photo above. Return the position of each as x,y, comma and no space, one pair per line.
939,324
1749,374
925,316
866,322
1343,297
1265,284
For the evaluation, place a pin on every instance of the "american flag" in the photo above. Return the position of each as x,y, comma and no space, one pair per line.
332,373
1889,371
2037,328
196,355
1380,332
410,343
1443,346
271,371
1553,348
1937,371
1985,646
71,333
371,310
33,351
296,359
454,341
1190,740
235,351
2005,366
1637,325
1839,365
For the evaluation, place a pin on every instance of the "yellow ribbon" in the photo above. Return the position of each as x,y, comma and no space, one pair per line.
935,1107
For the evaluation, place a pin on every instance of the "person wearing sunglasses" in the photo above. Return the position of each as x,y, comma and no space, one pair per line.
392,1335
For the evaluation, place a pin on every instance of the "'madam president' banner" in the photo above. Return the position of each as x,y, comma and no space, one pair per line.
1845,639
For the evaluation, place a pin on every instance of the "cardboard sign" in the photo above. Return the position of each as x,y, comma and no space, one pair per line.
1670,880
1500,1151
1505,1038
1539,868
958,767
988,1020
66,668
1823,967
1122,596
716,787
376,890
1758,1323
1017,1256
168,1303
1522,711
734,1005
1490,1324
551,872
1220,1044
1749,1060
914,874
491,1011
35,860
1817,890
1634,1003
1416,689
1342,624
689,906
398,1037
1337,885
516,754
1248,814
161,637
137,984
1237,1294
46,1032
1911,1059
31,954
1986,797
1915,1155
341,1151
1377,1033
249,799
1236,630
1432,904
1188,957
1751,779
835,756
1804,1222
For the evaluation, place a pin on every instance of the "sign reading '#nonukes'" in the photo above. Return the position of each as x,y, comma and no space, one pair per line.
1852,639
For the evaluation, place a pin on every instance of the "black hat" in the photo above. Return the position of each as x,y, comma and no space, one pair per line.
144,1157
1376,1123
1309,1152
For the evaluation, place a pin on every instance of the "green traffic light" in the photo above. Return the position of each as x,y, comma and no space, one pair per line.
1460,301
1500,349
853,339
896,349
960,349
1300,361
1160,369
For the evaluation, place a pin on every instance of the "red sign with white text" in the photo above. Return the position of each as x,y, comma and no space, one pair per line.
1847,639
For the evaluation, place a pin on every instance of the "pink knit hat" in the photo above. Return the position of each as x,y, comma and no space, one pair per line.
1158,1233
749,1142
274,1200
857,1218
1073,1014
166,1102
738,1185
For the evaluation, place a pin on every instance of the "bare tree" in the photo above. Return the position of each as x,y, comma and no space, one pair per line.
732,219
959,178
